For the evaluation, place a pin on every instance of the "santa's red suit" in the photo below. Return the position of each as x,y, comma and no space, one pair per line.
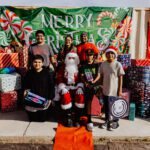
69,85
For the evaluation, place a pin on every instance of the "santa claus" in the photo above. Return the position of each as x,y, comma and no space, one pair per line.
71,89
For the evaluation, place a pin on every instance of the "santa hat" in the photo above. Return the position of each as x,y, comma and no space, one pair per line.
112,49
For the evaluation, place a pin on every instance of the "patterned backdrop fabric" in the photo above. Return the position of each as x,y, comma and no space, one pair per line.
105,25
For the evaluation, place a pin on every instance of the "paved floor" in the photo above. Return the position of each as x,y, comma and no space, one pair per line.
17,124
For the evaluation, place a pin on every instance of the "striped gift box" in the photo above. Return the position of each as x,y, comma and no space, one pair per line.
9,60
8,101
140,62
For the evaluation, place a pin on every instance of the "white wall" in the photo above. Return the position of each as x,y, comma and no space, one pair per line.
139,33
77,3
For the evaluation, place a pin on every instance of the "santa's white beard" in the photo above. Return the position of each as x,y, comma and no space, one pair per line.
71,73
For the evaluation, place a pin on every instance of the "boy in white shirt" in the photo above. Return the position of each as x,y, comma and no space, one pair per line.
112,75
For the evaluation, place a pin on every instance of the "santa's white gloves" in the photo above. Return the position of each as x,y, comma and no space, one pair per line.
79,91
64,91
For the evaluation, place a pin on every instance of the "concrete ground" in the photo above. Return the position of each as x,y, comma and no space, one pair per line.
15,128
16,124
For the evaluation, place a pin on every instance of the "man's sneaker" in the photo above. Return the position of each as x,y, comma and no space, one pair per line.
90,126
104,125
110,126
114,125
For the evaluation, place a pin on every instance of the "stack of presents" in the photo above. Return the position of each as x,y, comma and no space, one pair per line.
136,85
138,81
13,65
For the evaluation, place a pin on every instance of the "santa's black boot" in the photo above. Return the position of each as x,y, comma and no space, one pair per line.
78,114
69,122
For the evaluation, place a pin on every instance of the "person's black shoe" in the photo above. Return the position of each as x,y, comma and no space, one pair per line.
109,126
77,124
114,125
104,125
69,123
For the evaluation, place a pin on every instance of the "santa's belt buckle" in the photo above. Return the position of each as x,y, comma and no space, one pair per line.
73,84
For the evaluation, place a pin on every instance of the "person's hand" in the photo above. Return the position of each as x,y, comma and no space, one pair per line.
93,81
64,91
79,91
51,103
87,84
25,92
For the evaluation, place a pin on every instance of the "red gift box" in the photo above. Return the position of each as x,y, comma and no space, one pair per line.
8,101
96,107
23,58
9,60
126,94
140,62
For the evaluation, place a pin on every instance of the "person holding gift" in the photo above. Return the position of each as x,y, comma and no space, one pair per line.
90,77
112,74
39,81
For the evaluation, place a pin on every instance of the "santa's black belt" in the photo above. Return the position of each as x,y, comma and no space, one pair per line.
73,84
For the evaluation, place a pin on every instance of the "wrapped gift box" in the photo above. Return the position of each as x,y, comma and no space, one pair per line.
137,90
126,94
23,58
10,82
96,107
125,60
139,73
119,107
143,108
8,101
140,62
9,60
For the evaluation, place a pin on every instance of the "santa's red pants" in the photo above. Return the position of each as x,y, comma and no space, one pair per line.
71,97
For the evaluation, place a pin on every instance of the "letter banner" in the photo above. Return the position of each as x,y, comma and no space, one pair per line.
105,25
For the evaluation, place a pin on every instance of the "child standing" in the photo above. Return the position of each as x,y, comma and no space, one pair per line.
39,81
89,76
112,73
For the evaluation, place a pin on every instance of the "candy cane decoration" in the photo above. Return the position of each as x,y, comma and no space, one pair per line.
104,14
3,39
26,28
10,21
